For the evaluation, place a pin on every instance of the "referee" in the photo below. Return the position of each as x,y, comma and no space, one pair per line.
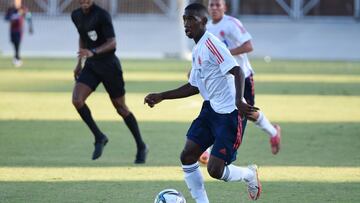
97,45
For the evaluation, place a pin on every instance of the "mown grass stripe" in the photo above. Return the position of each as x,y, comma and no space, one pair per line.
173,173
13,75
280,108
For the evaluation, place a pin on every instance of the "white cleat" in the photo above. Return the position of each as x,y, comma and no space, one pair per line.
17,63
253,184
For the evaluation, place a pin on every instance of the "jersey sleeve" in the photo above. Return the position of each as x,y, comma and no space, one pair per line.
73,19
220,54
238,32
107,26
192,80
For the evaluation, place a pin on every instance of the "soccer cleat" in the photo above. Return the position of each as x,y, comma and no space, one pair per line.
253,184
275,141
141,155
99,147
204,158
17,63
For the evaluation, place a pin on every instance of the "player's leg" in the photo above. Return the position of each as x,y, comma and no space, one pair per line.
114,84
199,138
84,86
16,39
227,140
259,118
192,174
132,124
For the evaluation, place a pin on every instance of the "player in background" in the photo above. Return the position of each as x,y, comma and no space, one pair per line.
233,34
216,75
97,45
16,15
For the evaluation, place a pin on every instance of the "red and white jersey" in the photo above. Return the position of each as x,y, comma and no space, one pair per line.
233,34
211,63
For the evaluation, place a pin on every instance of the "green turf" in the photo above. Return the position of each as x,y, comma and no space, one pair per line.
40,128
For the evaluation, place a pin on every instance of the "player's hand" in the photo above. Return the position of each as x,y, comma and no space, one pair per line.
245,109
85,53
152,99
77,71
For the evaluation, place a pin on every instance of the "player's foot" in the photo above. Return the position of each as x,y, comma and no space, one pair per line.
17,63
253,184
141,155
275,140
204,158
99,147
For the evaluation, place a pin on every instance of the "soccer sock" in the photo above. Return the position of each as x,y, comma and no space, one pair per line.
195,182
17,47
235,173
132,124
264,124
85,114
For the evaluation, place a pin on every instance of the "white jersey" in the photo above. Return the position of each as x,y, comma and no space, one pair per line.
233,34
211,63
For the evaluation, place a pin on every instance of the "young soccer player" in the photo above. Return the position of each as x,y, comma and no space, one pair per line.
233,34
16,15
97,44
216,75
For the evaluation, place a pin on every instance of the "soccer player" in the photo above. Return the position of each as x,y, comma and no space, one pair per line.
97,45
16,14
233,34
216,75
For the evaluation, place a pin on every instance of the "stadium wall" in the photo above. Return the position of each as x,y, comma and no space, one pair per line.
154,37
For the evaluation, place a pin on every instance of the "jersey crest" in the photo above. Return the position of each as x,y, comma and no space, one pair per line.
92,35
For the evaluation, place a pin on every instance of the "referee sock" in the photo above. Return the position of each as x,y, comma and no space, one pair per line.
235,173
85,114
264,124
132,124
195,182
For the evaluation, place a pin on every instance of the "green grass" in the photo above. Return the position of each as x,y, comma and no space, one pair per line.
45,149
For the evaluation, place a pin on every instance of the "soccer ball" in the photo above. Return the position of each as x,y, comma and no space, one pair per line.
169,196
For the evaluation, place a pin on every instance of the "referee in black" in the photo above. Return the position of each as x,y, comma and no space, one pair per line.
97,45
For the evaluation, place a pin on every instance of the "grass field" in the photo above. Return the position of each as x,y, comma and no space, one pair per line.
45,149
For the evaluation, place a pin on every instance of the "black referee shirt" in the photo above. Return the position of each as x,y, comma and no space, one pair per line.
94,27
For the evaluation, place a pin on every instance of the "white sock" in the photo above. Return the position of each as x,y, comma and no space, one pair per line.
195,182
235,173
264,124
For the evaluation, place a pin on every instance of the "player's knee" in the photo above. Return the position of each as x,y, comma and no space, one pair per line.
214,171
187,158
78,103
122,110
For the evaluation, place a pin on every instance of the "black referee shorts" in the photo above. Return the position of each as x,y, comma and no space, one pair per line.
106,70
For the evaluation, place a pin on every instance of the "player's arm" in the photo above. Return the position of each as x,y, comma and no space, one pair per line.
8,15
237,32
28,17
181,92
244,108
246,47
78,67
108,46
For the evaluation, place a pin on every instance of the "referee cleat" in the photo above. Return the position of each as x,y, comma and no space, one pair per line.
99,147
253,184
275,141
141,155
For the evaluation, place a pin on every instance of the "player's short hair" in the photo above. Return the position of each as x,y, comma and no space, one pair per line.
199,8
